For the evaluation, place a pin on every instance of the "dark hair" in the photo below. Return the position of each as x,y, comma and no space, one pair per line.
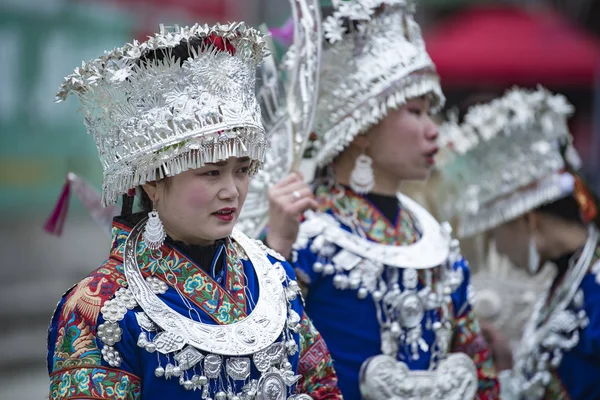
180,52
566,208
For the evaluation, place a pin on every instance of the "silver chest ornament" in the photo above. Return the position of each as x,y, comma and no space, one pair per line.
215,359
551,331
383,377
376,269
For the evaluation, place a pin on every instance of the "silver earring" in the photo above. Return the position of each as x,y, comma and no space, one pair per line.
533,262
361,178
154,232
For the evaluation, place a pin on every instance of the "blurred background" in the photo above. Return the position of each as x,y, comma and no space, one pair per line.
480,48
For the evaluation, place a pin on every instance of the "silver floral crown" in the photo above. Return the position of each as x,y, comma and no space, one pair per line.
152,119
369,68
506,158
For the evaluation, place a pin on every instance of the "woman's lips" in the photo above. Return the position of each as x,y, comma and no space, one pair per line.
225,214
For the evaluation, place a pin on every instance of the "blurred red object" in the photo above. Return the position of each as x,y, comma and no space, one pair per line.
512,45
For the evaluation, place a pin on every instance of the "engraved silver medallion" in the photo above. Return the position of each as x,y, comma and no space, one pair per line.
246,335
265,358
411,310
188,357
238,368
212,366
168,342
145,322
271,386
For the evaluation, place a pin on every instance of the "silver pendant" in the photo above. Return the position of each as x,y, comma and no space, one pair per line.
383,377
145,322
168,342
238,368
270,356
271,386
212,366
411,310
188,357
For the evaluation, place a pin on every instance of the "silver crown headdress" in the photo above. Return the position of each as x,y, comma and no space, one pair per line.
157,118
505,159
370,67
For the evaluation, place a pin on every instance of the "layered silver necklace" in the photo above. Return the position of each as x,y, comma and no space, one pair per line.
548,335
215,359
377,269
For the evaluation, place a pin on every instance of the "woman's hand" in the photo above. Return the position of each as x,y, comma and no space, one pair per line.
499,345
288,200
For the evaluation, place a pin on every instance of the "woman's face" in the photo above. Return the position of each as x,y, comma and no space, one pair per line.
202,205
512,240
404,143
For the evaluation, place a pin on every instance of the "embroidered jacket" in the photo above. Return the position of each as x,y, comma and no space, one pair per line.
350,325
79,362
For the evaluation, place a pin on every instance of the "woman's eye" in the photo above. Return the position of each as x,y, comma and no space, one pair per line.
211,173
244,170
415,111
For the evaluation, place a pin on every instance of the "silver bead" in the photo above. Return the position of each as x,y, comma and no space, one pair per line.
202,380
177,371
377,295
151,347
159,371
318,267
221,396
188,385
142,339
354,283
290,295
291,346
329,269
395,328
362,293
287,365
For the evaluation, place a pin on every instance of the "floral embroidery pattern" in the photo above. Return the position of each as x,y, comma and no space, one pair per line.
171,266
96,383
368,217
76,326
235,274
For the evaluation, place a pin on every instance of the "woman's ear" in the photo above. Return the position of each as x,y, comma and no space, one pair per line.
532,219
151,190
361,142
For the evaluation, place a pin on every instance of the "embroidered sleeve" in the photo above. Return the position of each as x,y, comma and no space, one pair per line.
468,339
319,379
75,363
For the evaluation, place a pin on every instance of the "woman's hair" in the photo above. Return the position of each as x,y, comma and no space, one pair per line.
566,208
180,52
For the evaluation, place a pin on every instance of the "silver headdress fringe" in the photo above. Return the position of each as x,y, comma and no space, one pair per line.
375,67
506,209
504,159
153,119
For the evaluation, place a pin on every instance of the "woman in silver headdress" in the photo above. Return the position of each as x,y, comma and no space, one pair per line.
511,170
185,306
386,285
